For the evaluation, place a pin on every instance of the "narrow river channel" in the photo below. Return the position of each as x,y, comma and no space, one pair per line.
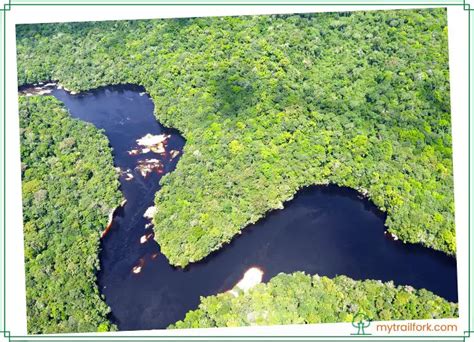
327,230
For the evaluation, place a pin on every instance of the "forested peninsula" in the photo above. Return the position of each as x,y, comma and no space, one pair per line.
270,104
69,189
303,299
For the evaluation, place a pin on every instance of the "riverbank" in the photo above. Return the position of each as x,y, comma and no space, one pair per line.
303,299
266,112
321,223
69,187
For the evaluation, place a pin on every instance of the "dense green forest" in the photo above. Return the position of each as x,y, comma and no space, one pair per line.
269,104
299,298
69,188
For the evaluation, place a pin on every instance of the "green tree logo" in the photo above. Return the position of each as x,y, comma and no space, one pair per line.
361,321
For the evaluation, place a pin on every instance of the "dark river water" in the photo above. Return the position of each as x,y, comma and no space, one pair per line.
327,230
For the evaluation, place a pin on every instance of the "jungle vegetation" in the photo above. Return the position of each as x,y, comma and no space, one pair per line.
69,188
303,299
269,104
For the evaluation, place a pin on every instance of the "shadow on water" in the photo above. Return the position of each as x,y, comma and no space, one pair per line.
328,230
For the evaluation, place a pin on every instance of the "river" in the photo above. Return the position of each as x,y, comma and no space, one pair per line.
328,230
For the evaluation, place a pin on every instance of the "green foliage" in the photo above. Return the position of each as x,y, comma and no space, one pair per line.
269,104
69,188
303,299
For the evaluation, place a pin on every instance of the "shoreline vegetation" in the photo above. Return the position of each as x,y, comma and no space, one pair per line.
44,143
299,298
69,189
270,104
